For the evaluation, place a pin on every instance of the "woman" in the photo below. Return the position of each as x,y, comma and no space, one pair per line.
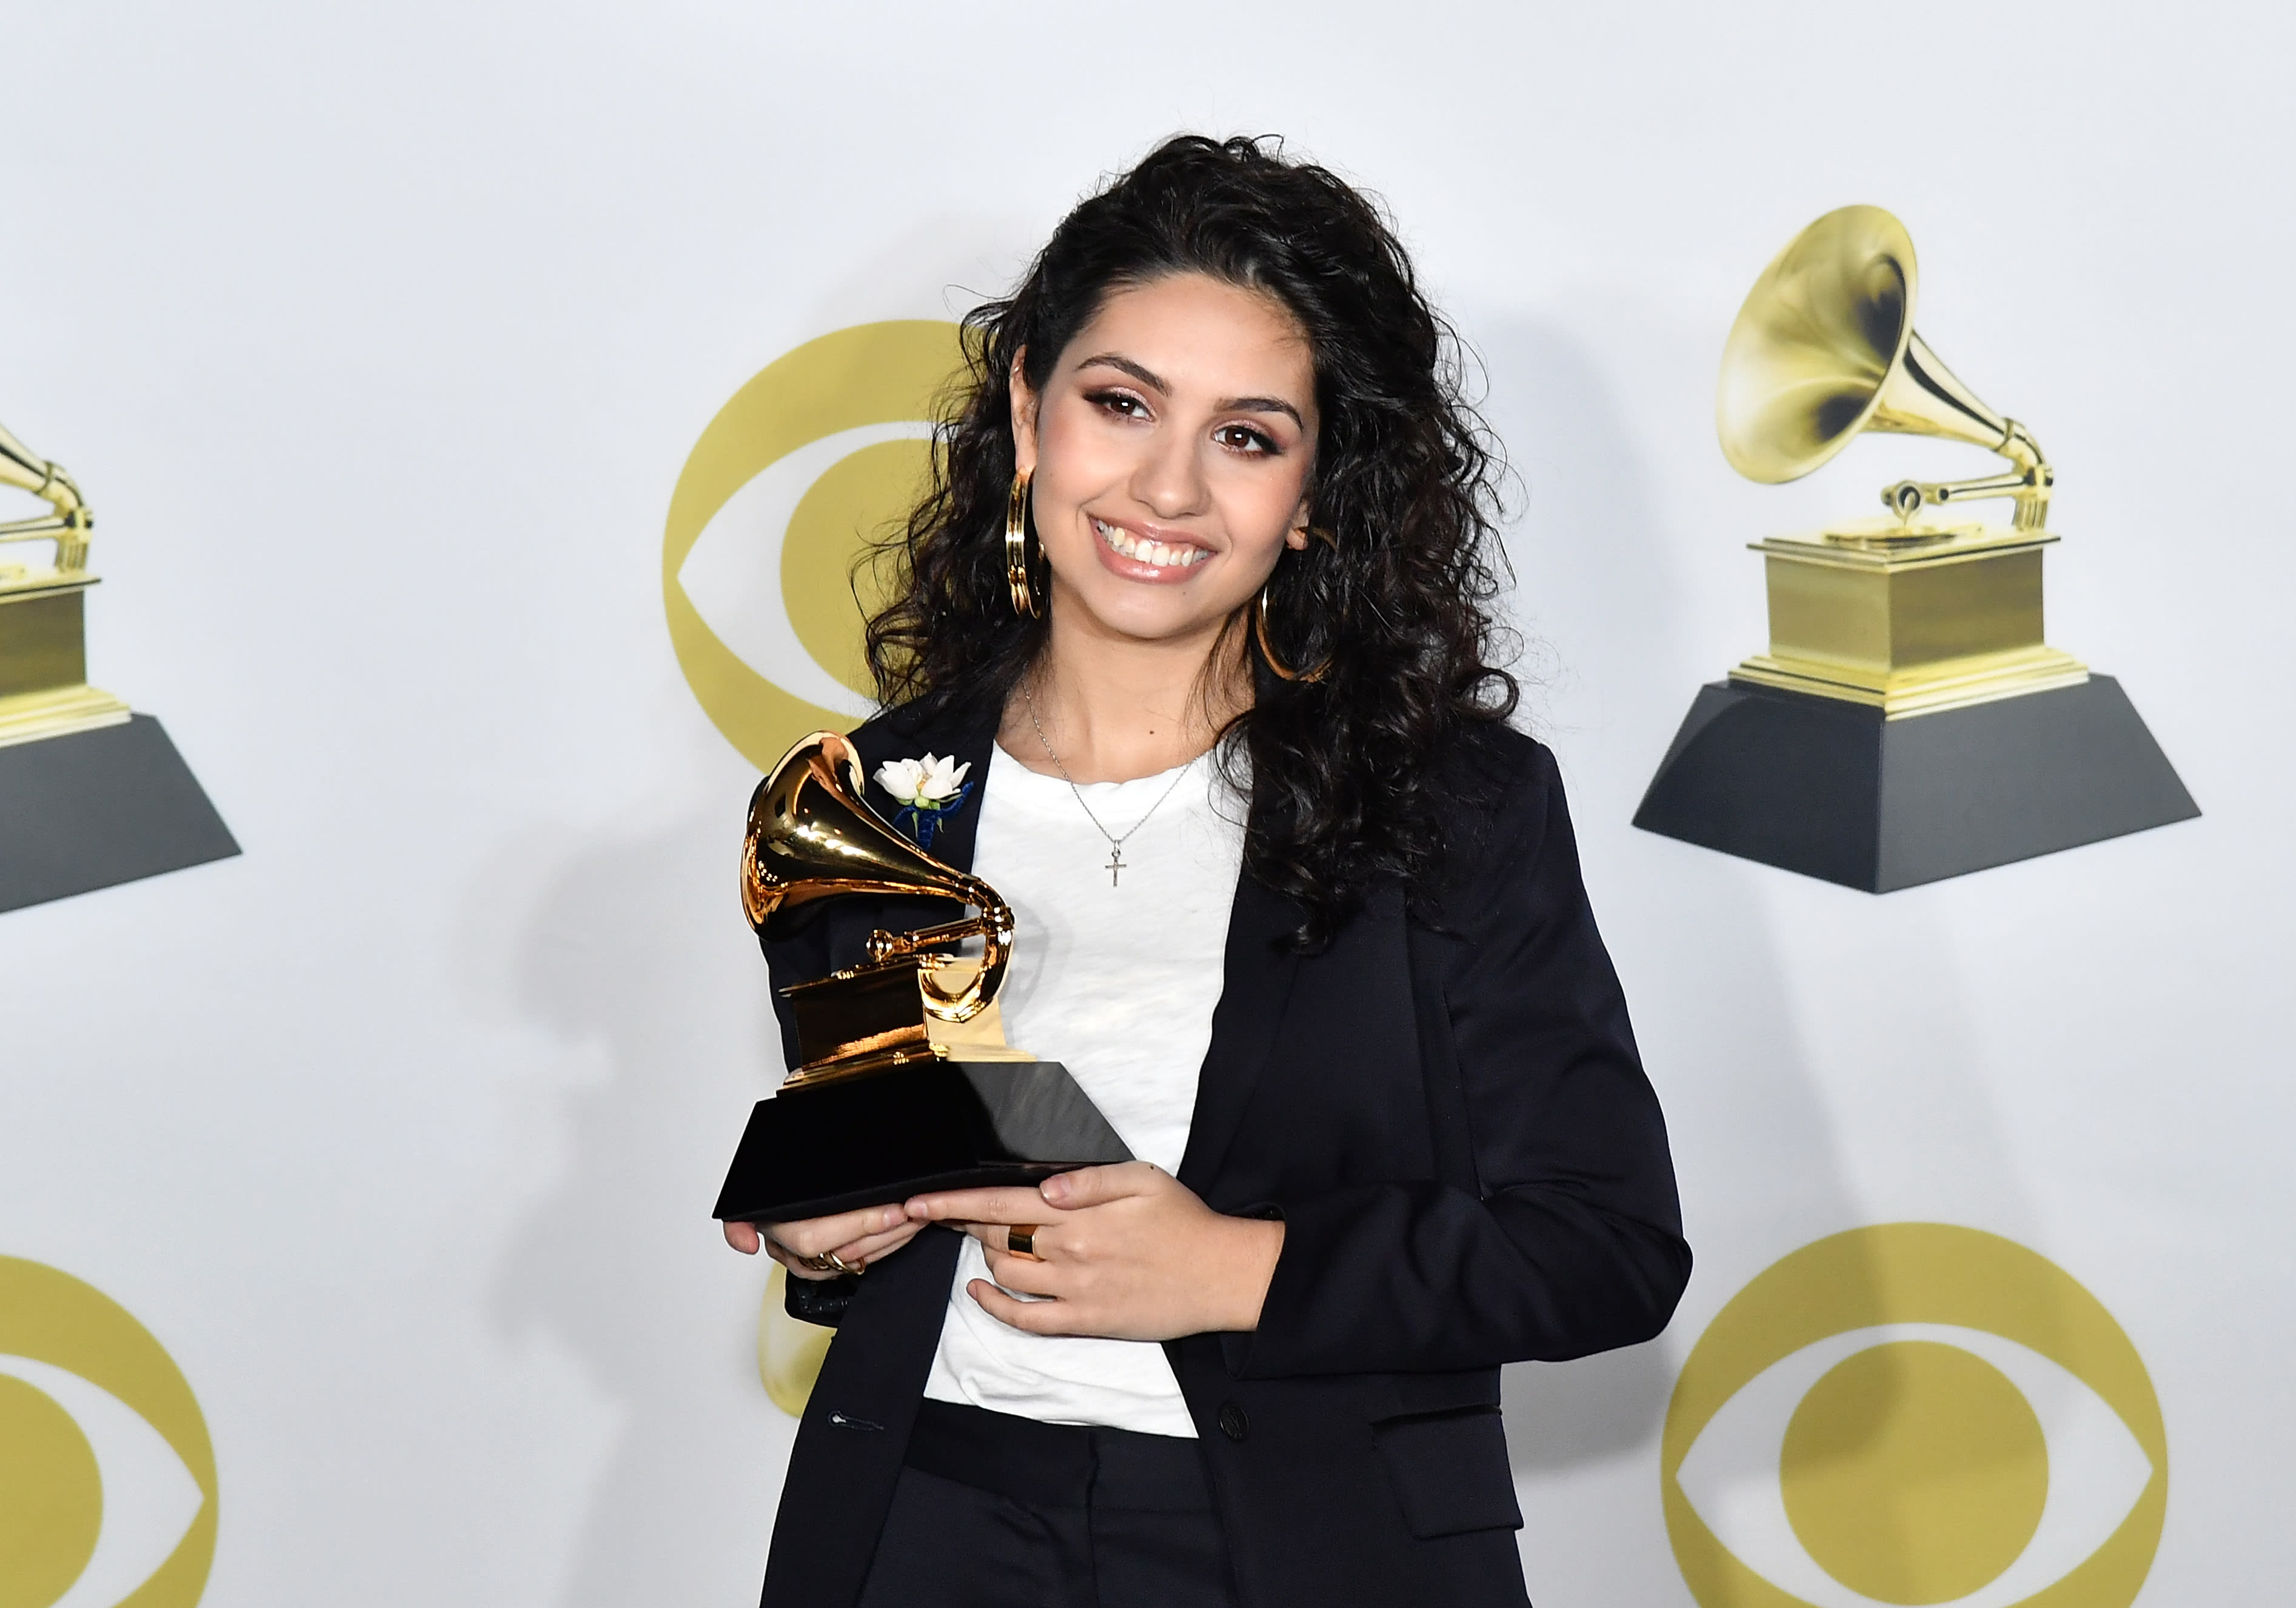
1296,907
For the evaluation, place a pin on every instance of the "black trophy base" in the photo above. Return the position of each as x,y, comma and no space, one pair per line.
93,808
884,1136
1830,789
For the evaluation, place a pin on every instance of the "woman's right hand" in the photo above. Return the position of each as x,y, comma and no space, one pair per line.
856,1239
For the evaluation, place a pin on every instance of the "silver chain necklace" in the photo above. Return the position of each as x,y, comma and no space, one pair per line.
1115,840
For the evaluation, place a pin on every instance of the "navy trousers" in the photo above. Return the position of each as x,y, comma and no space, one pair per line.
994,1511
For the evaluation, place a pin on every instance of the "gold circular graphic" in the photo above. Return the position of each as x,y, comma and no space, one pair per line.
1914,1414
874,374
828,600
51,1498
789,1351
87,1394
1915,1472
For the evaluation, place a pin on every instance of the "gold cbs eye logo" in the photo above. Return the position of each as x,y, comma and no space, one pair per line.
823,449
107,1481
1914,1414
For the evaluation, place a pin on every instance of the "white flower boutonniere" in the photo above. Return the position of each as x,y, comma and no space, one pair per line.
928,790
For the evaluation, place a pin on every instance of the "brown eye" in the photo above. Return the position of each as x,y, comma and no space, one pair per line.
1118,403
1243,439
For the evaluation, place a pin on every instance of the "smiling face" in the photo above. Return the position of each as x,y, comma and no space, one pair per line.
1171,447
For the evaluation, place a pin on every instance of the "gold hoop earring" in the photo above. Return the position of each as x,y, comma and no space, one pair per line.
1026,603
1268,649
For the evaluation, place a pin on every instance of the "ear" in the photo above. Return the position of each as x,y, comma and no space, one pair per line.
1024,416
1296,538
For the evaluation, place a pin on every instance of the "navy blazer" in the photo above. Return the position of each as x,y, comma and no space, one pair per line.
1447,1109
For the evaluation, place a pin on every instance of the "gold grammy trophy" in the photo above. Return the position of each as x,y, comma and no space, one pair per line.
91,794
904,1080
1905,612
1909,722
43,690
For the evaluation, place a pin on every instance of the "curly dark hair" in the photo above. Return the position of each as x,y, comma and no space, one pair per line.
1340,768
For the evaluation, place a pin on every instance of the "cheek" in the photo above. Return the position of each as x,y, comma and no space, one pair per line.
1076,460
1259,502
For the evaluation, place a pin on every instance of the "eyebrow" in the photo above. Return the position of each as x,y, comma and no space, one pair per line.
1149,378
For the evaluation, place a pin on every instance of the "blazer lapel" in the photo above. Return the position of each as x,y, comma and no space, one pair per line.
969,737
1255,986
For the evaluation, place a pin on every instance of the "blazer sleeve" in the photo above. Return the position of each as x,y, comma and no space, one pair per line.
799,954
1567,1238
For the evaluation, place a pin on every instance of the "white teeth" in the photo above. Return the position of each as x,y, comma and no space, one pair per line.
1155,553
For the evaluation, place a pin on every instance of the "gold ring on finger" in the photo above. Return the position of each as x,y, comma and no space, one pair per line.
1021,1240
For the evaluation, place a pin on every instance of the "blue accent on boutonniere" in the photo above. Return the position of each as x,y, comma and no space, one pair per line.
922,821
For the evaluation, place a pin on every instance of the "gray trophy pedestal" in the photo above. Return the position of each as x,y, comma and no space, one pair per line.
93,808
1832,790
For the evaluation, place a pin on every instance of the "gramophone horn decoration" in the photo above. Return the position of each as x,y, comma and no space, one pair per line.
91,794
1909,722
905,1081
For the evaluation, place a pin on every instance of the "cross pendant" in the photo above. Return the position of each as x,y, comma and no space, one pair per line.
1115,863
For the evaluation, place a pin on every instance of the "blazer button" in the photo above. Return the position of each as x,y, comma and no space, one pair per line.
1233,1423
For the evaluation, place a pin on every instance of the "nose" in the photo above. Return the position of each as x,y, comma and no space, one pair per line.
1170,480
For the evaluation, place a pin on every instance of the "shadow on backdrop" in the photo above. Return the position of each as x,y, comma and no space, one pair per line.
1757,1147
637,945
1598,592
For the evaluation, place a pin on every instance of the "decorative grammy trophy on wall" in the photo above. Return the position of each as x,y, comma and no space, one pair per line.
91,793
1909,722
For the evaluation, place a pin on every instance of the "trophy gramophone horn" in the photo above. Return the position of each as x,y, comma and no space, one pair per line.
1826,348
811,836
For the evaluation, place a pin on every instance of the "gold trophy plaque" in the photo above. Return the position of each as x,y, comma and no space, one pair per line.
904,1080
1909,721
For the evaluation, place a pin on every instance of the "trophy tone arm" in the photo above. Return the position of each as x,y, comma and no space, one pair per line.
2029,484
68,526
993,926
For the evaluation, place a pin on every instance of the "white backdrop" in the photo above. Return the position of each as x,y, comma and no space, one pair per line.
377,336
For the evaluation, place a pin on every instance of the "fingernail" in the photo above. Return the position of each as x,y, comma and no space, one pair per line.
1056,1189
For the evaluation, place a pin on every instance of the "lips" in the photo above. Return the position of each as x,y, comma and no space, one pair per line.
1140,549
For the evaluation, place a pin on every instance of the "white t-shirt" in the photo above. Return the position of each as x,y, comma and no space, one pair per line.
1115,978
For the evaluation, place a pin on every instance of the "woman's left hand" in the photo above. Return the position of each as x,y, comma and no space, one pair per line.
1128,1252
